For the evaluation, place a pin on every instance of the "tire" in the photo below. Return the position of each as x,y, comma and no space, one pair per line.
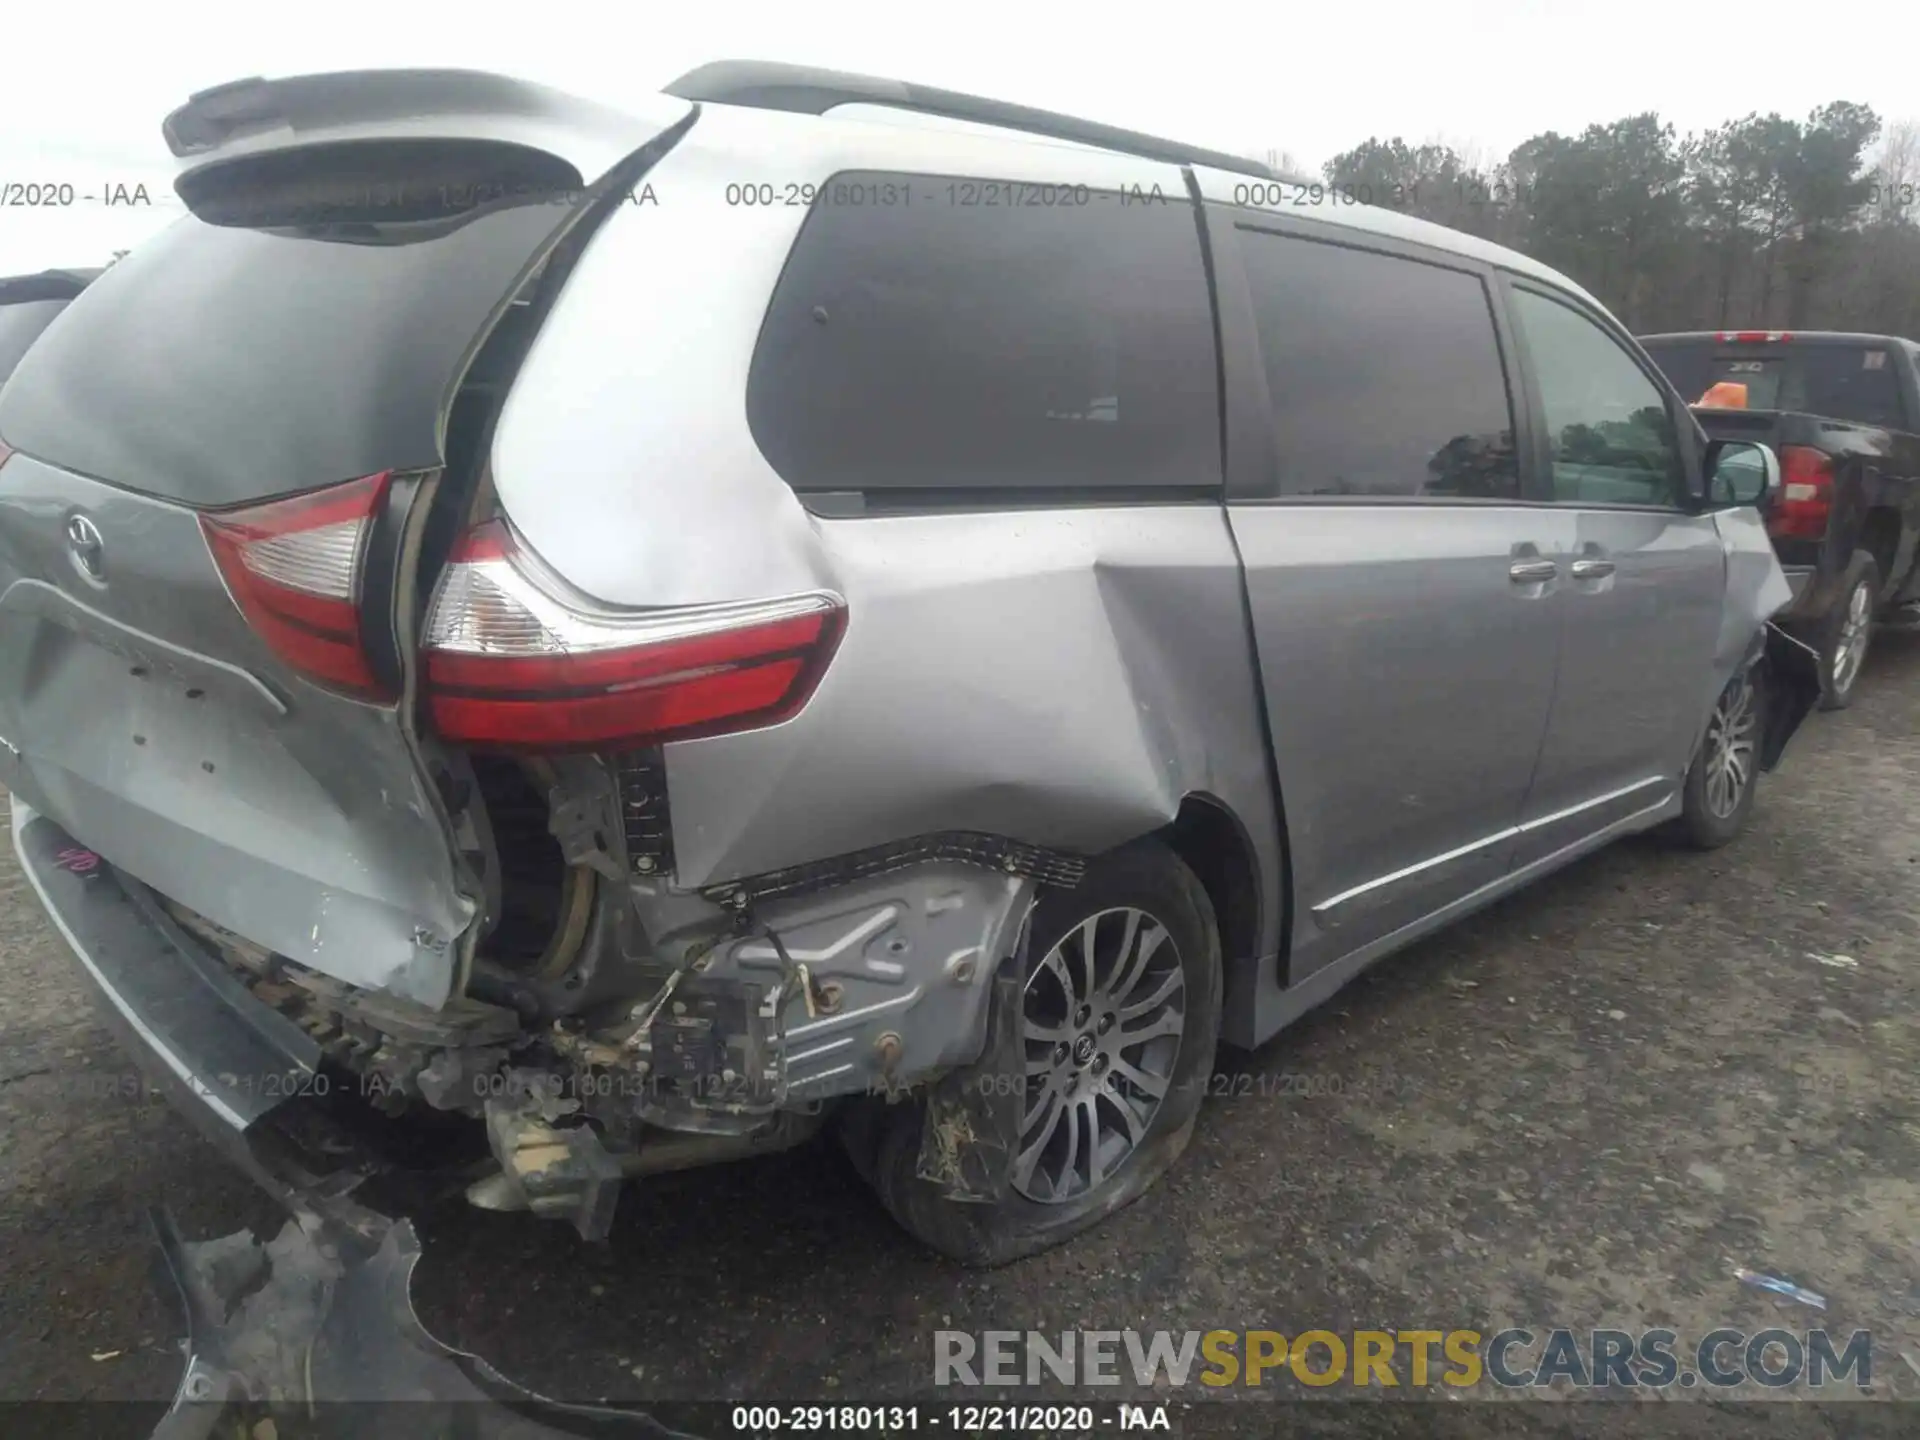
1144,879
1846,633
1711,814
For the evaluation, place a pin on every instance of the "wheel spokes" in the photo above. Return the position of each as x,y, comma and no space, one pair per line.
1129,1117
1154,1087
1089,1110
1137,951
1103,1013
1029,1158
1085,983
1169,986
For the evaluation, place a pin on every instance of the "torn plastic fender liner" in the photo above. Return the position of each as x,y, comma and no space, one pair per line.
971,1133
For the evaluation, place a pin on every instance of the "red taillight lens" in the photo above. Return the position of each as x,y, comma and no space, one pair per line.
1754,337
1806,493
510,665
293,568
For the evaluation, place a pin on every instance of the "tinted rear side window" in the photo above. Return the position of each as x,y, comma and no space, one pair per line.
20,326
939,345
1855,382
1384,373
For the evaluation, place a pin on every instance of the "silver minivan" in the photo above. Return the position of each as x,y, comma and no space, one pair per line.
815,602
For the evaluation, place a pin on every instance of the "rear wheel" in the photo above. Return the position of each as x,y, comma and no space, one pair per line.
1849,630
1726,768
1120,1010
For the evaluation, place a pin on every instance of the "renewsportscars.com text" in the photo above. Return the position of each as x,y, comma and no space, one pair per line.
1514,1359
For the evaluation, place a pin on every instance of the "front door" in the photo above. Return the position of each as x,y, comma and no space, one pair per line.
1642,582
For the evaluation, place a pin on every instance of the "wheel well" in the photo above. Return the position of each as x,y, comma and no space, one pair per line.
1210,839
1880,538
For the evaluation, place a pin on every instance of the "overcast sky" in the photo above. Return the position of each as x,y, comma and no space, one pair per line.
86,88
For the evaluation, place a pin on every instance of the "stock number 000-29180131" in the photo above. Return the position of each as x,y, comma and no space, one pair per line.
950,1419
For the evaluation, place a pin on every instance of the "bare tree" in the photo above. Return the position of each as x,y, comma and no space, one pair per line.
1896,173
1756,223
1286,162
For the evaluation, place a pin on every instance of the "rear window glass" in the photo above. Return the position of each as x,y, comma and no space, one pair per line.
20,326
216,365
1384,373
935,342
1840,381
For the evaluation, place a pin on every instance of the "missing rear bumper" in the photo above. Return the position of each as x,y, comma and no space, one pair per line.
757,1021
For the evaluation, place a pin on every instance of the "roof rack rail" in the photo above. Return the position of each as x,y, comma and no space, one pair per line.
805,90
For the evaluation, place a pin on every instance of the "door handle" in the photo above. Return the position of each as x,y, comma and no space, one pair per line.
1591,569
1532,572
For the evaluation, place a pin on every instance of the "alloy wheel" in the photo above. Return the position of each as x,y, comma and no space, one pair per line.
1856,627
1103,1013
1731,745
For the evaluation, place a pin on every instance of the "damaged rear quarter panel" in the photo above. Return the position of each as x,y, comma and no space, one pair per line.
1060,677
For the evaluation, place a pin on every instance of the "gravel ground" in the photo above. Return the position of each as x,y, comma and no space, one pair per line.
1582,1108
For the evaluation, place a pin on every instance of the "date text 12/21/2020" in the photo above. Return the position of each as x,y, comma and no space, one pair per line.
850,1419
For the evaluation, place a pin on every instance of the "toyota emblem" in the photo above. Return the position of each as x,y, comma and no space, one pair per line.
88,548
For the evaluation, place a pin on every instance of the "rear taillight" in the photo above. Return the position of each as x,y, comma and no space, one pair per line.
293,567
1753,337
509,664
1806,493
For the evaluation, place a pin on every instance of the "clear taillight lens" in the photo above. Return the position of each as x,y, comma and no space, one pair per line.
293,567
511,664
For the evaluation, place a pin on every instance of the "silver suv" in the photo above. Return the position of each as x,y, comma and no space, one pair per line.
812,601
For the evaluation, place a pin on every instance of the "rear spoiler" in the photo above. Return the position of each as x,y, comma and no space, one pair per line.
375,125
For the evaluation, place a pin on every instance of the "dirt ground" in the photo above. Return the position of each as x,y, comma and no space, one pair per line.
1582,1108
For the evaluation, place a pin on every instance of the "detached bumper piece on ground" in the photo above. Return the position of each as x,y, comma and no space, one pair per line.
314,1331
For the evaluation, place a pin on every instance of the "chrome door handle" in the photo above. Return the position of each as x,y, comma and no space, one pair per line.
1532,572
1591,569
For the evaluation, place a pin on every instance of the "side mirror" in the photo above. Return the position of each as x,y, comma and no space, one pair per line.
1741,472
